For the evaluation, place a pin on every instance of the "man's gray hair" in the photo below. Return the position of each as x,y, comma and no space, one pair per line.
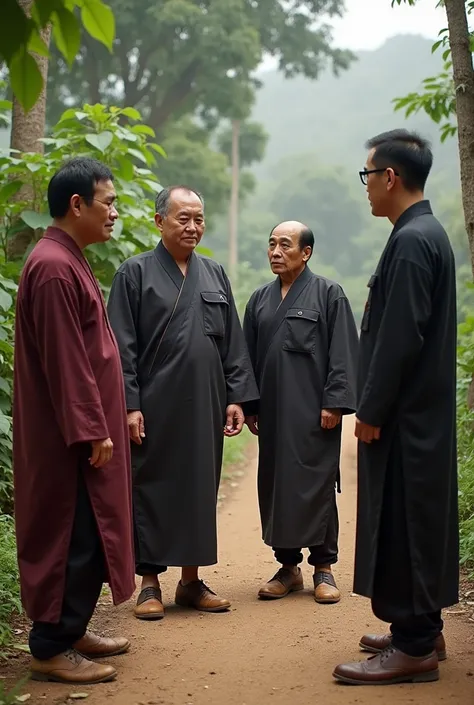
162,201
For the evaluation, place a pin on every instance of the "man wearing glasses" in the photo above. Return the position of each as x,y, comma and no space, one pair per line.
407,522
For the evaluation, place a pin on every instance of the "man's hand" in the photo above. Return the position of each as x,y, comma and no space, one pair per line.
136,426
252,423
234,421
330,418
366,433
102,452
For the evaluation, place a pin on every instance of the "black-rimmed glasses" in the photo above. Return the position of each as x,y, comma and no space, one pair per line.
364,174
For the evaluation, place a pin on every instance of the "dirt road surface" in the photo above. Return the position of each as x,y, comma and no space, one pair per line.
261,653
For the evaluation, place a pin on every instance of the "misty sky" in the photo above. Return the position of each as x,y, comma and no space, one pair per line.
367,24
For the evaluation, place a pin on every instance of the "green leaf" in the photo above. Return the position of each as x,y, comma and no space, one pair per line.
37,45
136,153
118,228
36,220
9,189
25,78
157,148
5,300
100,141
43,9
98,20
131,113
66,33
125,168
143,130
80,114
15,28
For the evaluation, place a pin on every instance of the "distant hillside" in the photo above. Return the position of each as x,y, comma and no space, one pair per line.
332,117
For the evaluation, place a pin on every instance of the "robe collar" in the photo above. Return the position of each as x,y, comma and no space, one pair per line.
169,264
60,236
420,208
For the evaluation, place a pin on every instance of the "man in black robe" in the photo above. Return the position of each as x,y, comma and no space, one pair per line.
303,341
187,372
407,521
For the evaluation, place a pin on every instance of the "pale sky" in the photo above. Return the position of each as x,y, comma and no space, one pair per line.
367,24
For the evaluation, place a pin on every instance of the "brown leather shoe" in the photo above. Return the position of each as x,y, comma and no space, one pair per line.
70,667
283,582
149,604
94,646
325,588
389,667
199,596
375,643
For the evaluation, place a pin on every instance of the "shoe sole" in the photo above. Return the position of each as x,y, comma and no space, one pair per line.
150,617
213,610
442,655
269,596
119,652
429,677
46,678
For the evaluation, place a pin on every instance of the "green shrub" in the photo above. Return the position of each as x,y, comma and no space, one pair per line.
9,585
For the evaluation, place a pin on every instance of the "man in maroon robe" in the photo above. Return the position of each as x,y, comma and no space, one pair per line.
70,437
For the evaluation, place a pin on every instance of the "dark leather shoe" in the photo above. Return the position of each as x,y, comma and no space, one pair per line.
389,667
375,643
283,582
149,604
199,596
94,646
325,589
71,668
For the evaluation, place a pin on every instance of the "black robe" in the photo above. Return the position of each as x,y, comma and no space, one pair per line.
407,521
181,372
304,352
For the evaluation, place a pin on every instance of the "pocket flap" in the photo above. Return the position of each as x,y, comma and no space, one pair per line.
214,297
306,313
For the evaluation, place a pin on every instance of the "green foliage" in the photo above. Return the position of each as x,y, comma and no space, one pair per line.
9,583
20,35
465,425
10,697
181,57
252,143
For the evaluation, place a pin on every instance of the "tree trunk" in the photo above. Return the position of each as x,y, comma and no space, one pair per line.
234,203
463,74
27,129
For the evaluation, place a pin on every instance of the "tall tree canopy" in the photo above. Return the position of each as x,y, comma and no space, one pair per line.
175,57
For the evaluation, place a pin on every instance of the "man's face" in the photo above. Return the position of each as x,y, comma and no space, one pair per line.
379,187
183,226
284,252
95,222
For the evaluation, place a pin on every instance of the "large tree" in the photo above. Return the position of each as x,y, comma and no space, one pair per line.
175,57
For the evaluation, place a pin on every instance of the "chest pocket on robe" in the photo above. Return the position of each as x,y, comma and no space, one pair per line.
365,323
301,330
215,305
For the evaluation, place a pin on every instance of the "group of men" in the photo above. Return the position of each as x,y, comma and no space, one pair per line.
120,415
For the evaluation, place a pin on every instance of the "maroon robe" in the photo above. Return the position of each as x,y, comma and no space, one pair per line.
68,390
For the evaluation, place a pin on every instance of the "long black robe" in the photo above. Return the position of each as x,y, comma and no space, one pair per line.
304,352
181,373
407,522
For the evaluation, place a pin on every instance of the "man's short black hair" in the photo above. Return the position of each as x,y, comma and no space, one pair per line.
406,153
162,201
79,175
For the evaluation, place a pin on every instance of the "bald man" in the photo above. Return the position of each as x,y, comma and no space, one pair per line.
303,342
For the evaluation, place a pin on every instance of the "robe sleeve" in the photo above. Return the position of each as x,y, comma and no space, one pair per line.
238,372
400,336
340,388
123,307
250,333
72,386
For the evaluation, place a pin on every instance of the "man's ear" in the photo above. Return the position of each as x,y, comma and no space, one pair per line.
159,221
75,204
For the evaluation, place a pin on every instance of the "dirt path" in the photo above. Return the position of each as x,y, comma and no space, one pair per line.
261,653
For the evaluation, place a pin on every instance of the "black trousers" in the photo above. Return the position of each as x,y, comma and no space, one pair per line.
85,574
393,593
324,554
149,569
